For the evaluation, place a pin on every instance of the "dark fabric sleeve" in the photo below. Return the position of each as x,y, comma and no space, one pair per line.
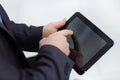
27,37
50,64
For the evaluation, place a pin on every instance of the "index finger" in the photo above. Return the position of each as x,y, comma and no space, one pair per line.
65,32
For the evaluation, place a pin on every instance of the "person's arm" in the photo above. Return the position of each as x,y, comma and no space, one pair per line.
27,37
52,62
49,64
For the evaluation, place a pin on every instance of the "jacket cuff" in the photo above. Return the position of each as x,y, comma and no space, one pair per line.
37,32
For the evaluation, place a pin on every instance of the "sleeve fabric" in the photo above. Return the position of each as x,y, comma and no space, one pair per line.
27,37
49,64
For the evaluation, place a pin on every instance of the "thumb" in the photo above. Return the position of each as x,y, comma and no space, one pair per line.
65,32
60,23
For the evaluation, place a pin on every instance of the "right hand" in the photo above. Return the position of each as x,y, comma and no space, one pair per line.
59,40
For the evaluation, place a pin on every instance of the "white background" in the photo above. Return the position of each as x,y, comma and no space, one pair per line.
104,13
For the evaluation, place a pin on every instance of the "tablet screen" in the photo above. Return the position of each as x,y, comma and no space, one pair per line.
90,42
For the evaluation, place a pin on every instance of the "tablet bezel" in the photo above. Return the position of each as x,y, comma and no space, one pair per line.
98,55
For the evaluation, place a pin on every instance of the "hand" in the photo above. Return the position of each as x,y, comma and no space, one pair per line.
59,40
52,27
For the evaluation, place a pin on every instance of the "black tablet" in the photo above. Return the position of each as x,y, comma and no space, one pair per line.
93,42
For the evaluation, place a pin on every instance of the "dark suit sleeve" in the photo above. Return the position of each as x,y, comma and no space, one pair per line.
27,37
50,64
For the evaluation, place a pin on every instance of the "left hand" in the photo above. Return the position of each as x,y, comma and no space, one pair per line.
52,27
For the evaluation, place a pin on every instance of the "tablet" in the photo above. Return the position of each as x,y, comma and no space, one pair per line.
93,42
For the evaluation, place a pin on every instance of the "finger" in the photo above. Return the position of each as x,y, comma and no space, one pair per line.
60,24
65,32
76,43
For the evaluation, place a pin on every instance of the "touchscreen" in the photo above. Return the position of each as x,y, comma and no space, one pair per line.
90,42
